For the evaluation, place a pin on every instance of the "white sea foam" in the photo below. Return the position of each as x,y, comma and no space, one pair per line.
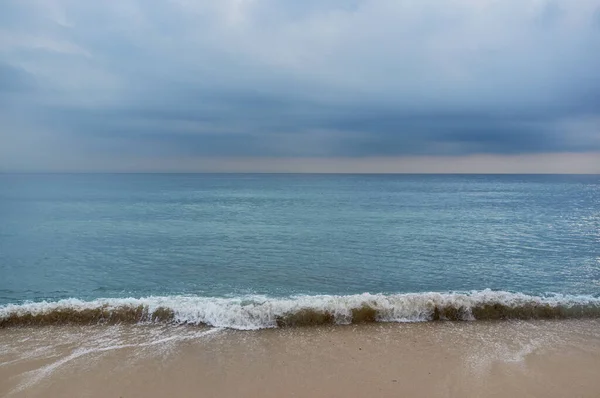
258,312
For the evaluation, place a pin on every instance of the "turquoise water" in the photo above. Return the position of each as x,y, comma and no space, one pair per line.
279,236
90,236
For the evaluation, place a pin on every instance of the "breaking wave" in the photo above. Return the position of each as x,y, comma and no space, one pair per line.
259,312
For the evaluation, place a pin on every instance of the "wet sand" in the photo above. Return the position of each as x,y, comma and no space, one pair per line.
436,359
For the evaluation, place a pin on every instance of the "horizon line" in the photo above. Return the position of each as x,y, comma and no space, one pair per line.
287,173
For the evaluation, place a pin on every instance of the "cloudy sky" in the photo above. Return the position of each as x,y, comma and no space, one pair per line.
312,85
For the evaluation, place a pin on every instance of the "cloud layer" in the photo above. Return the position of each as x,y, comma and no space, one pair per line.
149,79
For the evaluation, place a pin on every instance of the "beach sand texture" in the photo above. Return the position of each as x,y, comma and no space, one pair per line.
436,359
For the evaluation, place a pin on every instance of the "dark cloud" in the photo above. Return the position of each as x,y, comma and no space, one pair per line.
317,78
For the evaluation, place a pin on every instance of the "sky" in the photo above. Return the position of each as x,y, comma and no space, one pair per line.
300,86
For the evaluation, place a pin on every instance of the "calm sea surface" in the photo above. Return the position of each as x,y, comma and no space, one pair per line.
109,236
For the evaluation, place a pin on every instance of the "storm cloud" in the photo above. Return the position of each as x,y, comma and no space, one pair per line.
91,85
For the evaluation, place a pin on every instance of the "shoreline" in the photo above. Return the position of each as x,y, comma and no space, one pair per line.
550,358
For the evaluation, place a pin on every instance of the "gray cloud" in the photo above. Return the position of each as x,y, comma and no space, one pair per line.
12,79
265,78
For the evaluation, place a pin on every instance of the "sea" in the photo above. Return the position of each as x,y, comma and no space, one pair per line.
253,251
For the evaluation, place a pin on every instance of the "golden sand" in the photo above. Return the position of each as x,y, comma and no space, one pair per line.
559,358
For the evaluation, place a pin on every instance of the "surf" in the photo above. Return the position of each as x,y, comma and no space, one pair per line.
261,312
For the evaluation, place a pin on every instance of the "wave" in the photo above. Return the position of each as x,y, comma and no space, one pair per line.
259,312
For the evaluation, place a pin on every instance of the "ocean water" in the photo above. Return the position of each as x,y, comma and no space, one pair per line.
251,251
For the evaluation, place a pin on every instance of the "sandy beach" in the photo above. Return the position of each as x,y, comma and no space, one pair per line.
436,359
